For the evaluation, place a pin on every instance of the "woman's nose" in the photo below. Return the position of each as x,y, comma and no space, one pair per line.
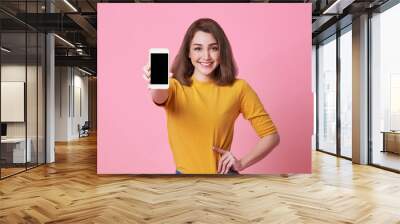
206,54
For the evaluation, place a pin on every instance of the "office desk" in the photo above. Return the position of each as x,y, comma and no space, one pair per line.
391,141
13,150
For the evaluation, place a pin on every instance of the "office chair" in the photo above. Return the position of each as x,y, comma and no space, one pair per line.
84,130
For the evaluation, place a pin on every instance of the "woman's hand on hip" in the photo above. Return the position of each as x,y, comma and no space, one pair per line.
227,161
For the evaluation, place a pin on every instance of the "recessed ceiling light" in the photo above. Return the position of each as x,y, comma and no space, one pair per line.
84,71
70,5
5,50
337,7
64,40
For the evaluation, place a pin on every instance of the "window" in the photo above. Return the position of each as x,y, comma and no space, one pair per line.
346,93
385,88
327,95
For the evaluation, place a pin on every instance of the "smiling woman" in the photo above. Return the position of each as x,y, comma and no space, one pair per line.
203,101
205,53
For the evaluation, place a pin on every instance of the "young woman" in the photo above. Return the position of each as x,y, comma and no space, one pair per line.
203,101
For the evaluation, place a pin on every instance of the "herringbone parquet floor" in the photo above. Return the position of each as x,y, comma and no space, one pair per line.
70,191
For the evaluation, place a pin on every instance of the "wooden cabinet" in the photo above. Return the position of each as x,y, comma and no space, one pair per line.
391,141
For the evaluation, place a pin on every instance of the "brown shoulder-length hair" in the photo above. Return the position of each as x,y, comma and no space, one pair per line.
182,68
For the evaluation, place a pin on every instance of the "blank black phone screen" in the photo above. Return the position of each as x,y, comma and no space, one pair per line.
159,68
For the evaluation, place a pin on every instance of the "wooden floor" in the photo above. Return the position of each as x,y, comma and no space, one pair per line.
70,191
5,172
387,159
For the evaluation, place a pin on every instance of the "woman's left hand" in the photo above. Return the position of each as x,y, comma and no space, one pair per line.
227,161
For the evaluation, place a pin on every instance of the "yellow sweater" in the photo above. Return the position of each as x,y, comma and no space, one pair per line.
203,115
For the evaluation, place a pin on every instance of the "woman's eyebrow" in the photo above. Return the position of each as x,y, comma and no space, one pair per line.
202,44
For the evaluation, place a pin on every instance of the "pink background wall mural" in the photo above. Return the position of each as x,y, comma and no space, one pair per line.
272,47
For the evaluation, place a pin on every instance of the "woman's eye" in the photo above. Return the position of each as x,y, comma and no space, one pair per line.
215,48
197,48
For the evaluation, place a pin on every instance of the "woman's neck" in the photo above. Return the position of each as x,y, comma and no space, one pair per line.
201,77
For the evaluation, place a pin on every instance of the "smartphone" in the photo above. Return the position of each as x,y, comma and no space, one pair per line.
159,68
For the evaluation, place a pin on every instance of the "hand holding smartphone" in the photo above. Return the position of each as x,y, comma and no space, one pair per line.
159,68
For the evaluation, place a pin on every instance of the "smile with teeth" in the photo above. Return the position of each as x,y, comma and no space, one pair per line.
206,64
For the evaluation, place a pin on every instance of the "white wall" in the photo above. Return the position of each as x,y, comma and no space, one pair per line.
81,102
62,81
71,93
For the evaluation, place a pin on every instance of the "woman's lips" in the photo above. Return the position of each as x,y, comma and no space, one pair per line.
206,64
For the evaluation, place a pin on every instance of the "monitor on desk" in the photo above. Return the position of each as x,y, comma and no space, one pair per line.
3,130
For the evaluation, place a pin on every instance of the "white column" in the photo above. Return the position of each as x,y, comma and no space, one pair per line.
50,92
50,110
360,90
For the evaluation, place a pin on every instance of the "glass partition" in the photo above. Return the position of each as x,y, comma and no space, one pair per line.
346,93
22,88
385,89
327,95
41,87
31,100
13,110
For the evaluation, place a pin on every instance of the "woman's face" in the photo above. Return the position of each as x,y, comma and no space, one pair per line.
204,53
